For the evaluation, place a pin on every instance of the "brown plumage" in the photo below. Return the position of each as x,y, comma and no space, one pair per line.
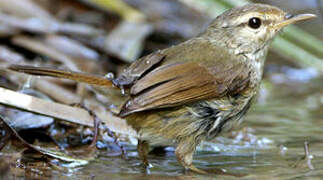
190,92
76,76
202,74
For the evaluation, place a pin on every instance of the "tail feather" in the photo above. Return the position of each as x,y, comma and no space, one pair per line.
76,76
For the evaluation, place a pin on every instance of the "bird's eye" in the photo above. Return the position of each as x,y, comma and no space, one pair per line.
254,23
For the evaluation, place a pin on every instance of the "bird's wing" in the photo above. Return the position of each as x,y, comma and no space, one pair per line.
137,69
180,82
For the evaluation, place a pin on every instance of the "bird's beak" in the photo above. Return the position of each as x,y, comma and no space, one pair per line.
289,19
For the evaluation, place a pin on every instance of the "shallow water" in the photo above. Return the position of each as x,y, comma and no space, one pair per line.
269,144
272,146
289,112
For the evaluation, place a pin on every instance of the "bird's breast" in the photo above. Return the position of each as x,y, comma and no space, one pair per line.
221,115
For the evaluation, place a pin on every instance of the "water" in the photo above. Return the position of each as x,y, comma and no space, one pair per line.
269,144
272,147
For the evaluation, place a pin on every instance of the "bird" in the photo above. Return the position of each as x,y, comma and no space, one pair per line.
197,89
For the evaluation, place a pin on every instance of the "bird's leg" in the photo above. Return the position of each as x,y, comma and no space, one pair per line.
96,122
143,150
184,153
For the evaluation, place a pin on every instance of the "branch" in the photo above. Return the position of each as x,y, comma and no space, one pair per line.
63,112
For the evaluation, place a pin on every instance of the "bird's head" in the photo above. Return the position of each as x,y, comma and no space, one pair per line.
251,27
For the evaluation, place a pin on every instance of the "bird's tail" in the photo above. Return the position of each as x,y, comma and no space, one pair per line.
76,76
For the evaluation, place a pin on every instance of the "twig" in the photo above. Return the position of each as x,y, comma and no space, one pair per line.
43,151
63,112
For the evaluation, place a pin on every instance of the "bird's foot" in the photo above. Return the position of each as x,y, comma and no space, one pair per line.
195,170
145,168
96,122
213,171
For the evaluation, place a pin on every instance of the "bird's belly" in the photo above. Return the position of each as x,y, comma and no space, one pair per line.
202,120
221,115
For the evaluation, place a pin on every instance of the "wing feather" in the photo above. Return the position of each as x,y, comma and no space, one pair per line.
187,74
164,88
